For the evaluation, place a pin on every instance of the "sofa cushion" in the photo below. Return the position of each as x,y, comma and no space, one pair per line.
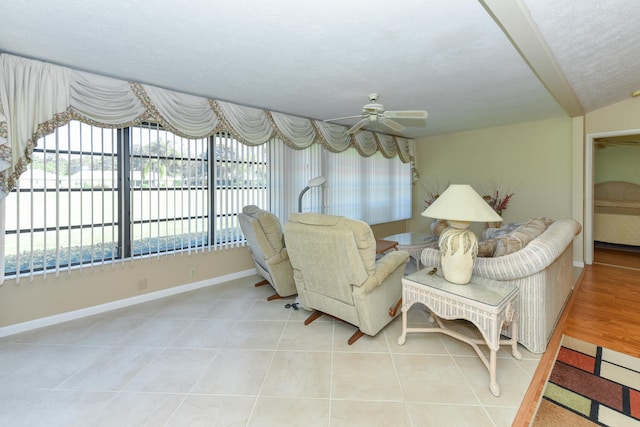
521,236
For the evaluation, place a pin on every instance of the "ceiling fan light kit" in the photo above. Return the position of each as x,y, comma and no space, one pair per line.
374,114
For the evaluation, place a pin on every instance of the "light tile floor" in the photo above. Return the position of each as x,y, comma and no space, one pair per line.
224,356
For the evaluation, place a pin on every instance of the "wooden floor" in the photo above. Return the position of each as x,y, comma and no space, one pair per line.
622,258
604,309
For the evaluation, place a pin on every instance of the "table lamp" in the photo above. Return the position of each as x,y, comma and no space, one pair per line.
314,182
459,205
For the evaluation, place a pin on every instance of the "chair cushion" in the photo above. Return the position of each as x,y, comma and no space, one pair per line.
251,210
272,229
269,223
361,231
315,218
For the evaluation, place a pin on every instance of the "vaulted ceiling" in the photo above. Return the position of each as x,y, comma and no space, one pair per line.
470,63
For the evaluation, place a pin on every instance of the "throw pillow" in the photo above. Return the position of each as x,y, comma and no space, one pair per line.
521,236
507,245
486,248
490,233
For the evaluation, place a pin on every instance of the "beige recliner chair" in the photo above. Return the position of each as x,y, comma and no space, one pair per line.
336,271
264,235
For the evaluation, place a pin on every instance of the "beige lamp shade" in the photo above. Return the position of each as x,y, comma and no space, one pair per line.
460,202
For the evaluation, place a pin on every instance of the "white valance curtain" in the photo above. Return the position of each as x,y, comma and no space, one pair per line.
37,97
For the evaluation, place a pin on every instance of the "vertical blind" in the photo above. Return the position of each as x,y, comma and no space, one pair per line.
290,172
372,189
242,178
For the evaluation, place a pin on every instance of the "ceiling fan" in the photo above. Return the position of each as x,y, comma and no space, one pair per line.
613,141
374,114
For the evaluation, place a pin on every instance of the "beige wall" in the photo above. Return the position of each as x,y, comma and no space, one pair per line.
533,160
30,300
617,163
389,228
577,184
621,116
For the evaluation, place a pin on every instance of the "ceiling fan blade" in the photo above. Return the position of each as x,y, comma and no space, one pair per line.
358,125
343,118
408,114
419,117
391,124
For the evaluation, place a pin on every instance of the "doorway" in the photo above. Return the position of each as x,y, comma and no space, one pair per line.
598,170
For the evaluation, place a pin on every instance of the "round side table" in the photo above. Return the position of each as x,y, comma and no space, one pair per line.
413,243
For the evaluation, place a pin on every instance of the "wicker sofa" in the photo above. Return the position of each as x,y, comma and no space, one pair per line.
543,270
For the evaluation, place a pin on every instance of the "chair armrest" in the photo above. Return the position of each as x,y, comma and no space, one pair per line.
385,266
278,257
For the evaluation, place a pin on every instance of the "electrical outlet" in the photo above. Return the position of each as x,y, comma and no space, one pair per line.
193,271
142,284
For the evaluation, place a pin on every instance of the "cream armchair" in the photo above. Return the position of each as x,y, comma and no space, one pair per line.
264,235
336,271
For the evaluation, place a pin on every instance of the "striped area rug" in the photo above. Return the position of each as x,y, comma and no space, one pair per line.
590,386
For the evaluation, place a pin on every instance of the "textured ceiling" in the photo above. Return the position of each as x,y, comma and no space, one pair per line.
321,59
595,43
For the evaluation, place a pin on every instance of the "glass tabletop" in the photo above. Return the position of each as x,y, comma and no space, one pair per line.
412,239
480,289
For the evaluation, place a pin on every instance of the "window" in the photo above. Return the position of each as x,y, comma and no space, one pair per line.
168,197
94,195
64,209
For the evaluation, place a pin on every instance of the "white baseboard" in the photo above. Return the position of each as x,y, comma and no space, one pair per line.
115,305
